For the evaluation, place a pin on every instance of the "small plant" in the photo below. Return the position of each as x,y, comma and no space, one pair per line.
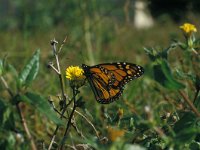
12,133
179,82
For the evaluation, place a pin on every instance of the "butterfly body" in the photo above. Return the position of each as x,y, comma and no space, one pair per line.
108,80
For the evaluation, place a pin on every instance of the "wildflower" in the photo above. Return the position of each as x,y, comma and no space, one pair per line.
114,134
188,28
76,75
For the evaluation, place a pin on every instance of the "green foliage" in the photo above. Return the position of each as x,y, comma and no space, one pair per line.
151,113
6,116
183,132
186,129
10,117
30,71
163,75
161,70
41,104
1,67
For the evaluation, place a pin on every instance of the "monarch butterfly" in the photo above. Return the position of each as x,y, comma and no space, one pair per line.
108,80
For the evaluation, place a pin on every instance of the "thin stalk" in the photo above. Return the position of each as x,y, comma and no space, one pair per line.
52,66
76,128
70,119
195,97
97,134
57,127
58,71
61,79
23,120
6,86
53,43
188,101
56,130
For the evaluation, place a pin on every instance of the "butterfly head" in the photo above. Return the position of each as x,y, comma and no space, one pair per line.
84,66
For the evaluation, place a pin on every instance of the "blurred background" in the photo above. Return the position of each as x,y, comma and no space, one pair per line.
97,31
112,28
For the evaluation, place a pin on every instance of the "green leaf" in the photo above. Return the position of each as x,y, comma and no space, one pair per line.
6,116
42,106
197,44
12,69
197,82
186,128
8,140
195,146
6,67
1,67
187,120
197,103
29,72
163,75
155,54
188,76
183,46
187,135
152,53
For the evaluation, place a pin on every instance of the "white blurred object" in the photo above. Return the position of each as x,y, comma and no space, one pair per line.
142,18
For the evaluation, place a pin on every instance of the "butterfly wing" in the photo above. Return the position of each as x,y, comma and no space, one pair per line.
107,80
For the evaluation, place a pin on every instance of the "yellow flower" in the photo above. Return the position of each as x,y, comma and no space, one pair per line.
76,76
74,73
188,28
114,134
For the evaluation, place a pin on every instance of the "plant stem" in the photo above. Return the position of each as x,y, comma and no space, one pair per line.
57,127
195,97
58,71
70,119
60,78
6,86
23,120
26,127
97,133
76,128
188,101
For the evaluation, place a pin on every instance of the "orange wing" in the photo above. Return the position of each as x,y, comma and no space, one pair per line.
107,80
